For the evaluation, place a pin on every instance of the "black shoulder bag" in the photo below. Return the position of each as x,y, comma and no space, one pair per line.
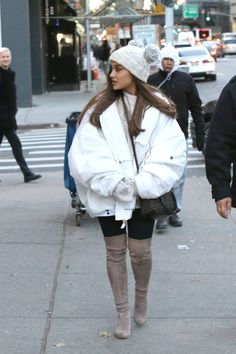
165,205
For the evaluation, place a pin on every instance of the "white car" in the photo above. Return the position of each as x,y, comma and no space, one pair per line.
199,62
229,46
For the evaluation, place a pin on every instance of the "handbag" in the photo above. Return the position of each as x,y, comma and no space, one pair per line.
165,205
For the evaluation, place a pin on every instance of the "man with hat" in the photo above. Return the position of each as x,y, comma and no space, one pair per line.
181,89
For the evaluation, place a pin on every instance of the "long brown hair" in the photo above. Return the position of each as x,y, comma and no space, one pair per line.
146,96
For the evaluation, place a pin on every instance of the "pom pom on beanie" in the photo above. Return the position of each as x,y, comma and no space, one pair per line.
135,58
151,53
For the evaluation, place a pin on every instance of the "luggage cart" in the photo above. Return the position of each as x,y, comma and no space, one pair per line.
69,182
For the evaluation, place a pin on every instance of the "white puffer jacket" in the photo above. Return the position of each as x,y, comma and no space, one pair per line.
100,158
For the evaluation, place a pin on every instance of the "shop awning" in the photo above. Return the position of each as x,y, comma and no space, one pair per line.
109,13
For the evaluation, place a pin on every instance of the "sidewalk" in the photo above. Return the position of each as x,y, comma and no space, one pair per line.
52,108
55,295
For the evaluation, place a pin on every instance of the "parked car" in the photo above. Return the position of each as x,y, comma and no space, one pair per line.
213,48
227,35
200,62
229,46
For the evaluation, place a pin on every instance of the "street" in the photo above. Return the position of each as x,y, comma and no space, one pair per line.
225,71
55,295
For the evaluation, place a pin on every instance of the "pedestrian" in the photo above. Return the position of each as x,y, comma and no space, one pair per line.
104,54
181,89
102,162
220,151
8,109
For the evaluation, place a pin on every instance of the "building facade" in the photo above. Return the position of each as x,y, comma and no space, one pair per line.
233,14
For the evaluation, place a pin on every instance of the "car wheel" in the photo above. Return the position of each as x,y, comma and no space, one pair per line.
213,77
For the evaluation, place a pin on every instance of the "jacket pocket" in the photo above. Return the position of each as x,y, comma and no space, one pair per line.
98,205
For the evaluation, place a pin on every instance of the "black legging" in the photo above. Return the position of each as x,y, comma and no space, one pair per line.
139,228
16,146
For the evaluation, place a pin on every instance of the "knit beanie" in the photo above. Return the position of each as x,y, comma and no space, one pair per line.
135,58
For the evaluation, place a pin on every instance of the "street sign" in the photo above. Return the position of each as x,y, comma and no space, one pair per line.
145,33
190,11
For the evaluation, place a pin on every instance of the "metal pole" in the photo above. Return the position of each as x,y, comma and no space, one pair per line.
169,21
89,76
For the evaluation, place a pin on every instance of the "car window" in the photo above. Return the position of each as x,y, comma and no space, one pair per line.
208,43
192,53
230,41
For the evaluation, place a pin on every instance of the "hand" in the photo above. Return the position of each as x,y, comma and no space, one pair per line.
223,207
200,145
124,190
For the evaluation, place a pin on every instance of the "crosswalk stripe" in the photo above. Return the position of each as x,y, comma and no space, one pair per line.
41,152
28,143
31,159
43,149
35,147
16,167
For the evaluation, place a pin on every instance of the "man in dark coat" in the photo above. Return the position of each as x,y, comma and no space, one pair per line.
8,110
181,88
104,54
220,152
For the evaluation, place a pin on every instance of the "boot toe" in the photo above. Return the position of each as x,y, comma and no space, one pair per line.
174,220
122,330
161,224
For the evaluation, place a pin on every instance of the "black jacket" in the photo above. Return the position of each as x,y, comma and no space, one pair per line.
181,89
7,100
220,150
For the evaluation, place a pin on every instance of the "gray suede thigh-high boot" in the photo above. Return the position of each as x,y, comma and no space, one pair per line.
141,262
116,248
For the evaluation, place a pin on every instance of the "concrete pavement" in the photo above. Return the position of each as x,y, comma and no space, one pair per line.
55,296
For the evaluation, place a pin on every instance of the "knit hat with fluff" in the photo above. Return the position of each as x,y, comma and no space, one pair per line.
135,58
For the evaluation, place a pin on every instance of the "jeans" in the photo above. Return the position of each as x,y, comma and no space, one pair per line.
17,151
178,188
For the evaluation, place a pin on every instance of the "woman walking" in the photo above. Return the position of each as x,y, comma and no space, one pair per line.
103,165
8,111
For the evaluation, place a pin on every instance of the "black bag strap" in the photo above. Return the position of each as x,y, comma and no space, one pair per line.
135,156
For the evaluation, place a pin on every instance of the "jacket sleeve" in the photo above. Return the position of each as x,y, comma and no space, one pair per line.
91,161
164,162
194,105
221,145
